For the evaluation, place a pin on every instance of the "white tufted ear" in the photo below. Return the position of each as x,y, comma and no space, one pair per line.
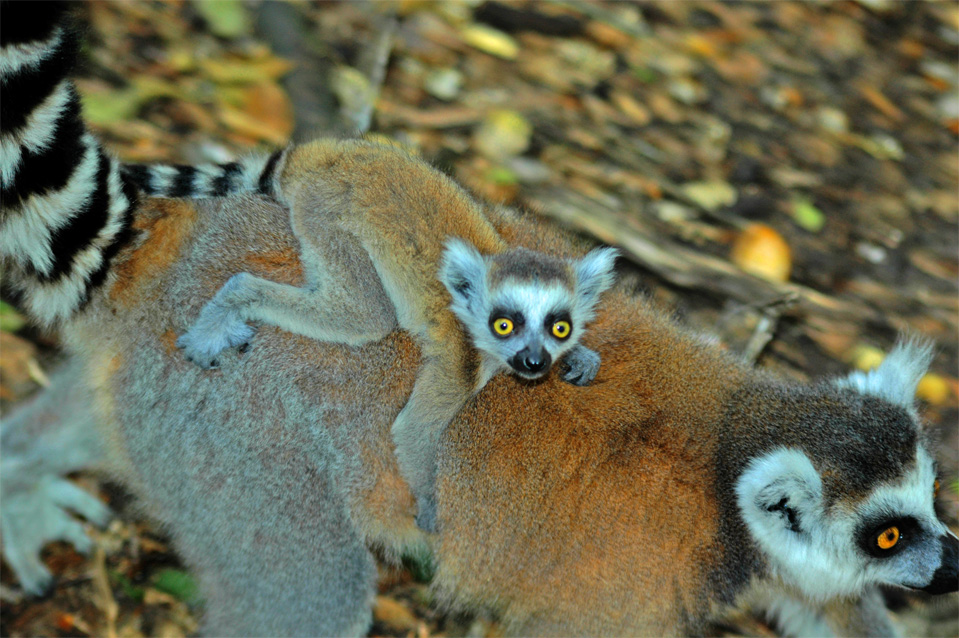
463,272
896,379
775,491
594,274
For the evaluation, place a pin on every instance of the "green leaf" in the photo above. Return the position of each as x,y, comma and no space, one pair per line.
645,74
105,107
712,194
132,591
807,216
501,176
227,18
10,319
178,584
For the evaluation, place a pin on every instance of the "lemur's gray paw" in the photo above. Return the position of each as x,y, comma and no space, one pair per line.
580,366
34,512
206,340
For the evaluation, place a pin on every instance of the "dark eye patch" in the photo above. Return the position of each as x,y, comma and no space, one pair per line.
502,313
907,531
553,317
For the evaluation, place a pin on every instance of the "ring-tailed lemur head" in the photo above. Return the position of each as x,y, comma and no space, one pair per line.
523,308
845,499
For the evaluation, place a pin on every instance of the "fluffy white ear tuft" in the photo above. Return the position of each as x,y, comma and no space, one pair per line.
896,379
594,274
463,272
775,491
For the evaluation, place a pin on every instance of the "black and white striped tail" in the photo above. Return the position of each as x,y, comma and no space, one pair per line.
65,208
252,174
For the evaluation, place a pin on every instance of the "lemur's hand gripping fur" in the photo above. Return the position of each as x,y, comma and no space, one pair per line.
580,365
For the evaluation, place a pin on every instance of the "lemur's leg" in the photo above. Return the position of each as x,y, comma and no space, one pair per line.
343,302
447,378
440,391
53,434
271,572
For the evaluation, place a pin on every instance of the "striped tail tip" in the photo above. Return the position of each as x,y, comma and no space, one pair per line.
253,174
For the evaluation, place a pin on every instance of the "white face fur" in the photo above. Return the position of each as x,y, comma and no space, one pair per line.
837,553
891,536
522,317
522,320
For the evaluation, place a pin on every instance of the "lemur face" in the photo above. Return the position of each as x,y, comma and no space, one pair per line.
891,536
851,503
529,326
523,308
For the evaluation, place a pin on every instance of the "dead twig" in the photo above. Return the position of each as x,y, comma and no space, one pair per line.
104,595
372,64
687,268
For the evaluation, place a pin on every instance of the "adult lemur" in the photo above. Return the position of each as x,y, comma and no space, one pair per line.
680,485
424,240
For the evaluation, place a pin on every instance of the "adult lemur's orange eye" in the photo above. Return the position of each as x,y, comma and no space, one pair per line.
561,329
503,326
888,538
935,489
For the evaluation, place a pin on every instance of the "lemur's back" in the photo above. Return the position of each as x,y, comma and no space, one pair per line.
269,461
290,464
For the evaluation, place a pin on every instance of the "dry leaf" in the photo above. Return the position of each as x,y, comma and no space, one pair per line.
933,389
763,252
490,41
393,614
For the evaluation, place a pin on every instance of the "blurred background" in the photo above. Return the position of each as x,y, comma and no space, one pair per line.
783,175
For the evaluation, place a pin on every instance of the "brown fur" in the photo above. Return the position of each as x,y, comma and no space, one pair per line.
570,510
169,224
608,487
282,265
401,209
346,196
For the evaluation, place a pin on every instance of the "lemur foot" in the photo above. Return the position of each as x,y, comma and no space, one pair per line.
203,346
33,513
217,328
426,515
580,366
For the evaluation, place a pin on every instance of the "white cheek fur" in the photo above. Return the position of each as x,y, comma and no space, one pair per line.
823,560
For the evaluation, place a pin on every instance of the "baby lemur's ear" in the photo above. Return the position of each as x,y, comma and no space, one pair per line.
897,377
463,272
594,274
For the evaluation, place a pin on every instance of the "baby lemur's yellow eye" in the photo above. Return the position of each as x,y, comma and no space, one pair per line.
561,329
503,326
888,538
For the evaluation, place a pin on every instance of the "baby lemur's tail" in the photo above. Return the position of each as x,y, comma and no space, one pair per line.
252,174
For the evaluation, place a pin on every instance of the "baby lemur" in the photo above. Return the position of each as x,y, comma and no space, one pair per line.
522,309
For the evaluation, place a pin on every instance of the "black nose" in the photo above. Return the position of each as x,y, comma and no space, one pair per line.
531,361
534,363
946,578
